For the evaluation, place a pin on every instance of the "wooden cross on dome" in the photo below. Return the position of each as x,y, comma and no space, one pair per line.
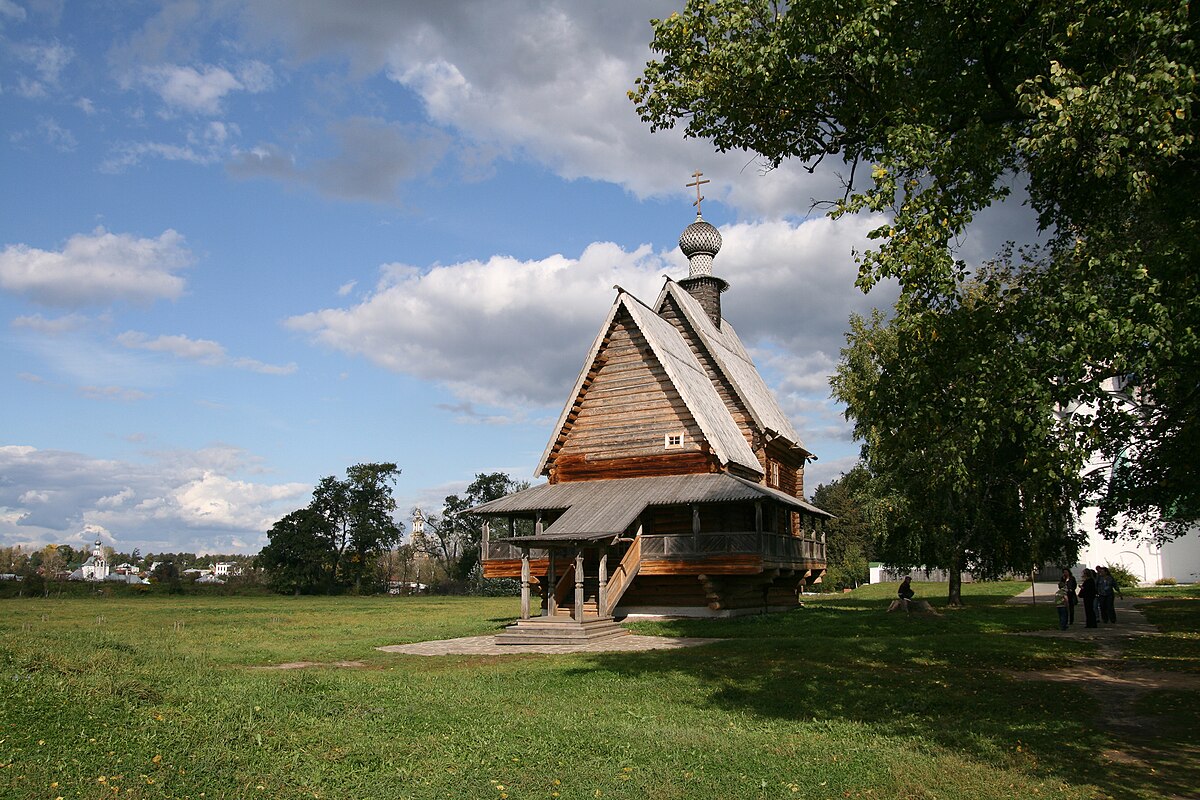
698,183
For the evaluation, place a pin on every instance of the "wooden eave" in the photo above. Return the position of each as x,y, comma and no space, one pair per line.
609,506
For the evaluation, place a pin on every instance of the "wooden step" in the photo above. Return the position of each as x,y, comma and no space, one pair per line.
552,630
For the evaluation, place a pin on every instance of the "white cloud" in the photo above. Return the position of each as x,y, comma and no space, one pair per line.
175,501
50,327
56,135
122,393
214,500
499,332
200,91
204,351
545,82
514,333
11,10
254,365
97,269
48,60
130,154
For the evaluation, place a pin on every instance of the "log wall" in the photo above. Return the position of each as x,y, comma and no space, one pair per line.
627,407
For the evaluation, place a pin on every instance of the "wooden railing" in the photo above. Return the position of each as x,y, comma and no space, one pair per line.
777,546
622,576
500,550
685,545
565,586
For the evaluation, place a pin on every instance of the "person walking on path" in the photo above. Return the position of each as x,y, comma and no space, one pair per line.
1061,604
1106,586
1087,596
1072,599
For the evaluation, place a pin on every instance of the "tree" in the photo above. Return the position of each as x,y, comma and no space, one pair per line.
346,527
299,557
52,566
850,535
13,560
937,109
455,538
167,572
970,464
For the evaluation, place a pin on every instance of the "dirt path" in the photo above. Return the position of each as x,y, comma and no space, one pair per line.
1118,689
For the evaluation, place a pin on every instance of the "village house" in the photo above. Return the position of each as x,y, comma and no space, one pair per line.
674,480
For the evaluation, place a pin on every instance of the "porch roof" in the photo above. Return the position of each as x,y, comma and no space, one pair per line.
607,507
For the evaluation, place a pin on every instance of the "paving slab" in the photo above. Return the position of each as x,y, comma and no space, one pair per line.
487,646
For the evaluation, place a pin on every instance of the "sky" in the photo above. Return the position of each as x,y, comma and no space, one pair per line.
245,244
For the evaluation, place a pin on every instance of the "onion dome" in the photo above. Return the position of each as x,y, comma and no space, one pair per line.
700,242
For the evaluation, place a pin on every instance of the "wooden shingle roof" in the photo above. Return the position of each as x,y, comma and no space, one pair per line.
734,362
608,507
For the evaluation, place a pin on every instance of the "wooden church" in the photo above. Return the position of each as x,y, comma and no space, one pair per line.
674,479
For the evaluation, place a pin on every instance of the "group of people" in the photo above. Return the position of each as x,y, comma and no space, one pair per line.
1096,593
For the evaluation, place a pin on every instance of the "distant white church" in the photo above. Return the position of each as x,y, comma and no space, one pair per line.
95,568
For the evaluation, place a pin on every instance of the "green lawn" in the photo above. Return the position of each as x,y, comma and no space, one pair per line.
160,697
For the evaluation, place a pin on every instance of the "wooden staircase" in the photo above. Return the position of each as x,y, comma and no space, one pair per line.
562,627
560,630
622,577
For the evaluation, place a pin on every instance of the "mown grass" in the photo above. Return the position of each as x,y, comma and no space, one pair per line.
1178,590
163,697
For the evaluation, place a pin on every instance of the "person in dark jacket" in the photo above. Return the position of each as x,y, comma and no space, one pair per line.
1068,580
1087,596
1106,585
905,592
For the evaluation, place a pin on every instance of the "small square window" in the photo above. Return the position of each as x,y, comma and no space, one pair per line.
674,440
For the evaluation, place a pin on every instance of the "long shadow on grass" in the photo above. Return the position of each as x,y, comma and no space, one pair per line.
945,680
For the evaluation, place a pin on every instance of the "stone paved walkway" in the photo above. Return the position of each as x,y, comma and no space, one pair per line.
486,646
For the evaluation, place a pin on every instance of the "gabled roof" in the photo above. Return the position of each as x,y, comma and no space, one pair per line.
607,507
686,374
734,362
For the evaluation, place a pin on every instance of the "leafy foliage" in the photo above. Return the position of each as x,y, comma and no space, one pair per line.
850,536
454,539
336,541
973,470
945,106
299,557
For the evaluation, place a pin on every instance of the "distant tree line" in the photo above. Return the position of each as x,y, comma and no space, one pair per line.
347,539
43,571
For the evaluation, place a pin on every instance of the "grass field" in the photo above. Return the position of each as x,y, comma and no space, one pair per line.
166,697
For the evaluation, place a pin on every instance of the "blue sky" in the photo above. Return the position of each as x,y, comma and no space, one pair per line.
246,244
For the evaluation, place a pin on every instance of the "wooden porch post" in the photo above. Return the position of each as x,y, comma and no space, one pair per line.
579,584
483,552
602,596
551,603
537,526
758,530
695,527
524,583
